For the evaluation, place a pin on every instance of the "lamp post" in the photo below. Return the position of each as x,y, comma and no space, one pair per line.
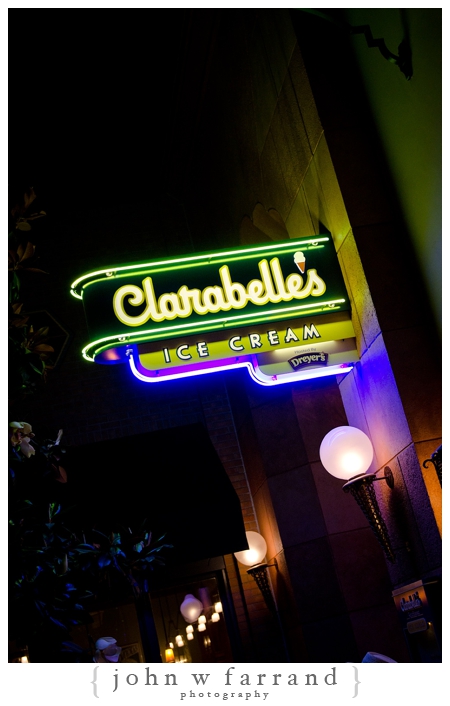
346,453
254,558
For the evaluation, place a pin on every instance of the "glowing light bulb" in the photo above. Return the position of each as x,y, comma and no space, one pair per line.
352,462
346,452
170,657
191,608
256,551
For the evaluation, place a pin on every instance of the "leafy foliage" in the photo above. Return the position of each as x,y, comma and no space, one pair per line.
28,349
57,572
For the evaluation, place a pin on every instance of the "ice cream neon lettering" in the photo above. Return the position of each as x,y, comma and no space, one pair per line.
250,343
272,287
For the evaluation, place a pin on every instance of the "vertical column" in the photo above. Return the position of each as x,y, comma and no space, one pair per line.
257,627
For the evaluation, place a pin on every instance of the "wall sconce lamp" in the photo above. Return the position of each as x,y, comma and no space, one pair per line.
254,558
436,460
346,453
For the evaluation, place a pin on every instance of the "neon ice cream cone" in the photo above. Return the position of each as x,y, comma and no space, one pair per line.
300,261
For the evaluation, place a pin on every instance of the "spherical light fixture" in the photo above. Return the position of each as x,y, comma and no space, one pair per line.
254,558
191,608
346,452
255,553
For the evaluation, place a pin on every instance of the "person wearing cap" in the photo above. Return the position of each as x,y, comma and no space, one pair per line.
107,650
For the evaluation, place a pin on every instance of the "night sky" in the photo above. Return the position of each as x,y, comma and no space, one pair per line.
92,102
94,105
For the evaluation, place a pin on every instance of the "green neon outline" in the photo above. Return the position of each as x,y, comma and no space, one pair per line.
122,275
206,258
196,327
146,339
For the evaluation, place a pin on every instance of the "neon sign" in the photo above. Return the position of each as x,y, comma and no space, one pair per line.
179,316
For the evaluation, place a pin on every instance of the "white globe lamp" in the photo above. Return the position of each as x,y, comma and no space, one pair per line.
346,452
254,558
256,551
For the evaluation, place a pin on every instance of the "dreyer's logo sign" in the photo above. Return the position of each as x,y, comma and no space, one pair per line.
308,360
134,304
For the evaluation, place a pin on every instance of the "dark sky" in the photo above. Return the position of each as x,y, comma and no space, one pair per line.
91,99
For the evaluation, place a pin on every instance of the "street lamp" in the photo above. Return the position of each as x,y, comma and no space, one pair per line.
346,453
254,558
